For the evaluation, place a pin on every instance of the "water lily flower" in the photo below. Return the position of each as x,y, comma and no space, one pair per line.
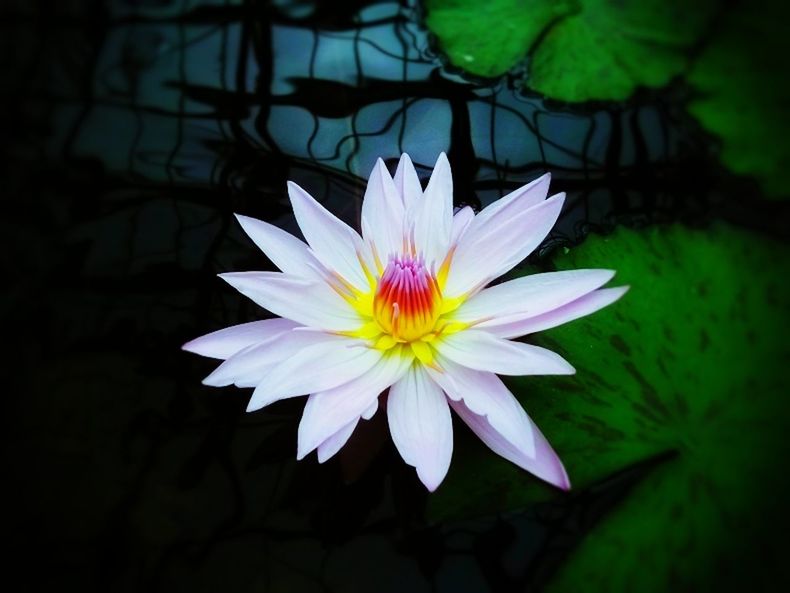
405,307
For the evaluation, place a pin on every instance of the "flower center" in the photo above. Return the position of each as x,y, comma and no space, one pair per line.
407,301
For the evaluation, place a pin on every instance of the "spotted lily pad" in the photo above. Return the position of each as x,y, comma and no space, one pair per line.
579,51
692,360
742,95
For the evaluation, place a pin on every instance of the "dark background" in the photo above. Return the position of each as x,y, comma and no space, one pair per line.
132,131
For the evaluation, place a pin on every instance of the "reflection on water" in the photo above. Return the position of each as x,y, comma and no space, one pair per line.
165,117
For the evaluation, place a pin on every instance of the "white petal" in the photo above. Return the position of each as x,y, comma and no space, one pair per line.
313,304
486,395
479,350
407,182
329,411
589,303
316,368
224,343
529,296
493,245
545,464
461,220
382,213
421,427
334,243
334,443
248,367
527,196
431,216
371,410
288,253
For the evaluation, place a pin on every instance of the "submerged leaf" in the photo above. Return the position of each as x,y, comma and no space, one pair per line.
743,97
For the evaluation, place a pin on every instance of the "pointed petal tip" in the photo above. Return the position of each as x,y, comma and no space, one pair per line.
189,346
231,278
558,197
431,483
565,482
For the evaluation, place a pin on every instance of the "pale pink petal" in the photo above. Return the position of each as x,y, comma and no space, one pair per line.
248,367
589,303
370,412
329,411
479,350
382,213
492,246
461,220
546,464
529,296
334,243
407,182
314,304
420,425
315,368
486,395
431,216
288,253
527,196
334,443
224,343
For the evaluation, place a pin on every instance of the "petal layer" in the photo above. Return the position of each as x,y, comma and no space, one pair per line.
316,368
329,411
251,365
431,216
529,296
479,350
334,443
334,243
545,464
313,304
288,253
407,182
589,303
382,213
421,427
461,221
492,245
486,395
224,343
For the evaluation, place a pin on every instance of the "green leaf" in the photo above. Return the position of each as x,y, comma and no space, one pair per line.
488,38
580,51
743,94
691,360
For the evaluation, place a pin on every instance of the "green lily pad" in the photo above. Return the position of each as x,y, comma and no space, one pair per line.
744,94
487,39
691,360
580,50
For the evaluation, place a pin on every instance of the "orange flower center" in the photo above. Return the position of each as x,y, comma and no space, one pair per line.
407,301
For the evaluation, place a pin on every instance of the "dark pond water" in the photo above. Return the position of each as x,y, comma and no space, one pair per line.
136,129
